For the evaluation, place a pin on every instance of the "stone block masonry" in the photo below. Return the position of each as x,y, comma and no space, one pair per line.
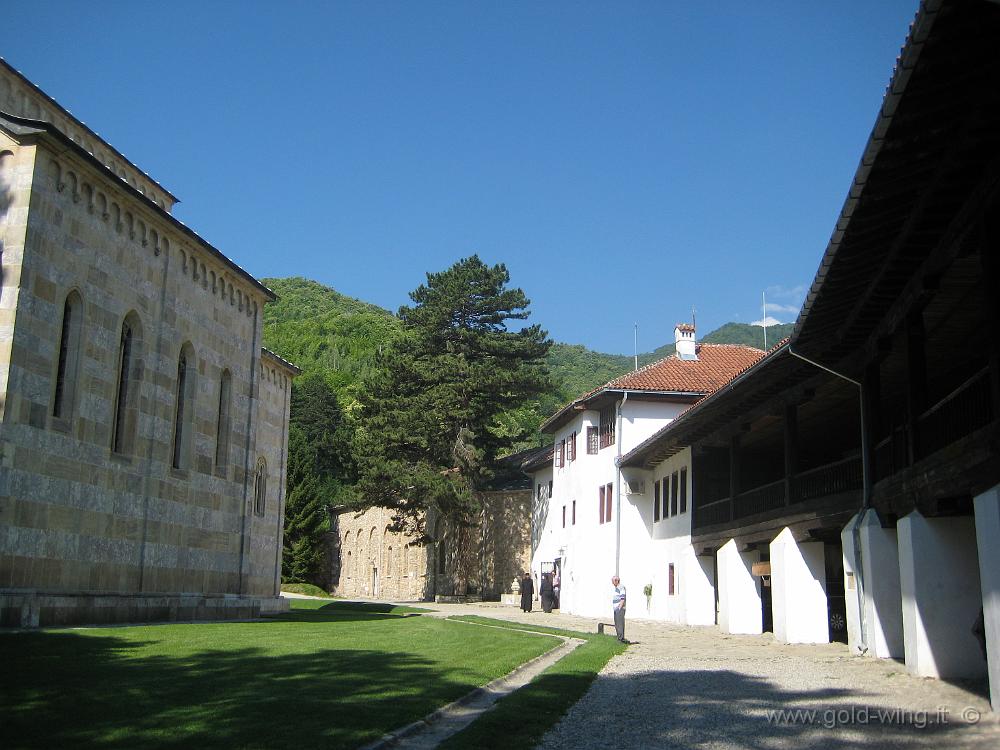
143,429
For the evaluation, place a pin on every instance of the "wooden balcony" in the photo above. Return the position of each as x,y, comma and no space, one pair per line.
963,411
768,500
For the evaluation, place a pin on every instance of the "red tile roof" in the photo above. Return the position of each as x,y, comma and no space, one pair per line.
715,366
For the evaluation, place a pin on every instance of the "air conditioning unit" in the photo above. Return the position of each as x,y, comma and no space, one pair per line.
635,487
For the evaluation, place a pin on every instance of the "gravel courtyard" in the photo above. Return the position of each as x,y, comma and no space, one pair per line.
693,687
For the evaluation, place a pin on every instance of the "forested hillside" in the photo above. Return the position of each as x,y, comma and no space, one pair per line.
324,331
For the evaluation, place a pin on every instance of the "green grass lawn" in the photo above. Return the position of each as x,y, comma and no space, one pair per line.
328,674
305,588
520,719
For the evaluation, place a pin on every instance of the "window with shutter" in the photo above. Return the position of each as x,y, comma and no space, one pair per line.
673,494
607,427
684,490
600,507
607,503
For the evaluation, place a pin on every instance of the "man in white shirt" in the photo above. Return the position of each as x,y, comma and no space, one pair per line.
618,607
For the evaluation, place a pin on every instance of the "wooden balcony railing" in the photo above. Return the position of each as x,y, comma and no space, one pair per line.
760,499
961,412
719,511
832,479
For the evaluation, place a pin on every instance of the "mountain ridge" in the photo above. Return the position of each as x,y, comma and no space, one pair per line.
319,328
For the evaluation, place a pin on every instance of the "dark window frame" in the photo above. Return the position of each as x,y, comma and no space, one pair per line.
684,490
607,427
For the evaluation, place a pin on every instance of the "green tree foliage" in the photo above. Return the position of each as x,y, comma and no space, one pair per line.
324,331
320,473
443,408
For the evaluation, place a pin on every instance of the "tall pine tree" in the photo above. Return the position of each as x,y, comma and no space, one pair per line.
431,426
319,468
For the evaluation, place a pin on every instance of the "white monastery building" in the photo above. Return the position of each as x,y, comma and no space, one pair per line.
589,523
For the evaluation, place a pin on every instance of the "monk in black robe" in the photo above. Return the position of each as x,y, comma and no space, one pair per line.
527,592
546,593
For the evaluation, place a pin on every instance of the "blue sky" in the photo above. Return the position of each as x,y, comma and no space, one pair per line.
627,161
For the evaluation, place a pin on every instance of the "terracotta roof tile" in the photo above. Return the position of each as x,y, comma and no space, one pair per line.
716,365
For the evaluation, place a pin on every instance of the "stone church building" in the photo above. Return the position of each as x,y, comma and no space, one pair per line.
477,561
143,427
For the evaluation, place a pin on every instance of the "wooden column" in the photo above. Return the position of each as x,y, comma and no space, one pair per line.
916,380
791,450
734,474
871,386
988,250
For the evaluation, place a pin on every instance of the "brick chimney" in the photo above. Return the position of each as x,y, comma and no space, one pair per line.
684,341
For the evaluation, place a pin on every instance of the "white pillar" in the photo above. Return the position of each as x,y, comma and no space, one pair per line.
698,589
798,590
739,598
988,534
939,581
851,587
880,581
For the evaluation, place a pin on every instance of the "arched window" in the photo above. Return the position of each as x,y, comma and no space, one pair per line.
69,357
224,426
260,486
346,556
184,412
126,396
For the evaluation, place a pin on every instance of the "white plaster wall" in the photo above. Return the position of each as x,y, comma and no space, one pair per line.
649,547
640,419
854,639
883,599
939,580
987,534
588,547
798,590
739,594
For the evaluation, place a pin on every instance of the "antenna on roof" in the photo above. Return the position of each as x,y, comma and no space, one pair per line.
763,318
692,318
635,345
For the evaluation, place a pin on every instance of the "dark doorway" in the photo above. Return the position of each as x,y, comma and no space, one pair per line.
767,614
836,604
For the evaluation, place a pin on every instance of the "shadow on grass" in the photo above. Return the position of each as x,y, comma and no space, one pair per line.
97,689
317,610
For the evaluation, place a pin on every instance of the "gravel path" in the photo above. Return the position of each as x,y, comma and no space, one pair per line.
693,687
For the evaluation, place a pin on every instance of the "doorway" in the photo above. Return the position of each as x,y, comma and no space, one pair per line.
836,603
